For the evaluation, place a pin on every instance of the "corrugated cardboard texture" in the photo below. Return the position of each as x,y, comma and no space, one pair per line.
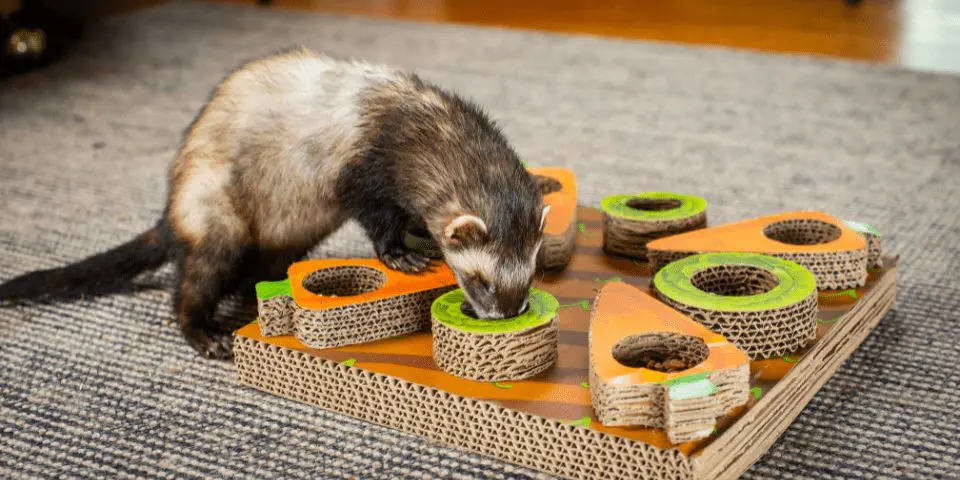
628,235
546,422
835,253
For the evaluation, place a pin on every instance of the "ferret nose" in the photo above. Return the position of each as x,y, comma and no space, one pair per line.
514,311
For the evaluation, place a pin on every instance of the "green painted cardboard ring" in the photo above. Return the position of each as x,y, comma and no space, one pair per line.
542,308
675,282
616,206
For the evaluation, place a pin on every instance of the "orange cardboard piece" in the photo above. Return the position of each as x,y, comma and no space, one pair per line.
563,204
634,326
748,236
622,311
397,283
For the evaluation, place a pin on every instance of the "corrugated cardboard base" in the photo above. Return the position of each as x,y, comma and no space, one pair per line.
547,422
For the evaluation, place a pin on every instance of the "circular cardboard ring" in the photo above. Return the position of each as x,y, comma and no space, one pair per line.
779,320
688,206
627,230
513,348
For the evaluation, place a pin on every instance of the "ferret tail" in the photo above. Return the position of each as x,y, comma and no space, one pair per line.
99,274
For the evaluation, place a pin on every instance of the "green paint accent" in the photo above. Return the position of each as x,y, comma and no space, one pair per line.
542,307
873,269
504,386
525,165
611,279
583,229
852,293
583,422
266,290
756,392
583,304
789,359
697,389
690,386
585,385
795,282
349,362
824,321
861,227
616,205
686,379
255,322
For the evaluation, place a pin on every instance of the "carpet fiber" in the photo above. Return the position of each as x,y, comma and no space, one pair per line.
106,388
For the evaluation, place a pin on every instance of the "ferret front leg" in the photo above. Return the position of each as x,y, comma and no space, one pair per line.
386,227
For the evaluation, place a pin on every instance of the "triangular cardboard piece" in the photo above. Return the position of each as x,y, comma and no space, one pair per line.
628,325
560,228
563,202
749,236
332,302
834,252
362,280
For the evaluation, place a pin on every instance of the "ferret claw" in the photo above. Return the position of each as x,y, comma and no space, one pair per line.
404,260
211,345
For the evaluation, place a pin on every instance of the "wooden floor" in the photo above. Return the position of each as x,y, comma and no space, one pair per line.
921,34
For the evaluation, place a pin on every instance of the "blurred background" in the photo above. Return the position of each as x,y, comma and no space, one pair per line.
919,34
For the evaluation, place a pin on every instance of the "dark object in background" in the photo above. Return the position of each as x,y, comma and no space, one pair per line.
35,36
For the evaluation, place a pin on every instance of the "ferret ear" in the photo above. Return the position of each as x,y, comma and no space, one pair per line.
543,218
465,231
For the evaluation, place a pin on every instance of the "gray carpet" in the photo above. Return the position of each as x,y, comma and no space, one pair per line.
106,388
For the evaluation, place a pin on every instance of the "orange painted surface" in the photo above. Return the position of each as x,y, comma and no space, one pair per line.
563,204
747,236
397,284
623,311
771,369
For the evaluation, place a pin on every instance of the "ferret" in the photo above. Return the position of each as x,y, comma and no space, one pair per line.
290,146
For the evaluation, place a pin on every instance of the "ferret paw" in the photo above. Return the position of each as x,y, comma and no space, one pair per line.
210,344
405,260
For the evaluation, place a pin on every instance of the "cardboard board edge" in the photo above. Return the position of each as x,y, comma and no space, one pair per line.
730,455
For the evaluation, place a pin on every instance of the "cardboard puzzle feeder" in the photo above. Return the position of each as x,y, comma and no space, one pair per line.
611,373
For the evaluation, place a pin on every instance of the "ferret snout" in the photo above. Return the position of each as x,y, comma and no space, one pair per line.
494,312
516,310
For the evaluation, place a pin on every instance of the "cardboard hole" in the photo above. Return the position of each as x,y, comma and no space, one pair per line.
653,204
548,185
344,281
735,280
663,352
802,232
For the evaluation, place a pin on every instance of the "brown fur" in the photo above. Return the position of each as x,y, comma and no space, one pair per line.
290,146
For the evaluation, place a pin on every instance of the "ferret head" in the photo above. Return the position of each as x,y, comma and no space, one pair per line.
495,259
